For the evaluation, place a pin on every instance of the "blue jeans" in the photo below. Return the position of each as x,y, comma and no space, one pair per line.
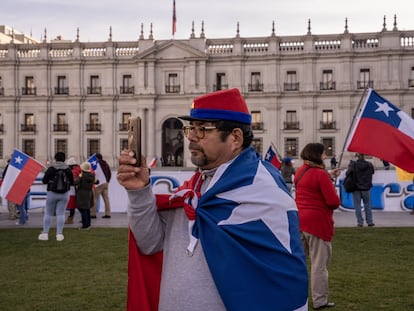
55,204
365,196
23,210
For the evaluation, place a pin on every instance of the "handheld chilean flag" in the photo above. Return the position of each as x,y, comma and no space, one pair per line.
21,173
272,157
96,167
384,131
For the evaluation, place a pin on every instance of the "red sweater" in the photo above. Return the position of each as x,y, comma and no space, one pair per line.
316,198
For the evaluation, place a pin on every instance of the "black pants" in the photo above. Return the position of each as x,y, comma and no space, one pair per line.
86,217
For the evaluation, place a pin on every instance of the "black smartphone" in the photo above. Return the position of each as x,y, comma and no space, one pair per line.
134,137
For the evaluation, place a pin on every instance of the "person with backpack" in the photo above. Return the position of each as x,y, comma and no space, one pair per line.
58,178
102,189
84,193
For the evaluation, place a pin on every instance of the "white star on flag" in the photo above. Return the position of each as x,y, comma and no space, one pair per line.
273,212
384,107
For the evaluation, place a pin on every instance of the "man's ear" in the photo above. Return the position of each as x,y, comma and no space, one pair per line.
237,137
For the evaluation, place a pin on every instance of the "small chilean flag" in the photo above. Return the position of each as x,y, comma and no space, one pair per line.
21,173
272,158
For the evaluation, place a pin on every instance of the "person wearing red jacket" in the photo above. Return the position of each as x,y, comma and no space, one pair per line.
316,199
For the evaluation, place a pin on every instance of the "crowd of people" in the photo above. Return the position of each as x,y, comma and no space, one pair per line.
237,218
69,186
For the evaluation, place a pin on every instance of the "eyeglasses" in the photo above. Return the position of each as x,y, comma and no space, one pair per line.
198,130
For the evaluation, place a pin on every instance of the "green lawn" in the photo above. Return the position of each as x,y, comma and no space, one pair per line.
372,269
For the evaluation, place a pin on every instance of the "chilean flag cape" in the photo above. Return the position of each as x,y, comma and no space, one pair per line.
384,131
21,173
248,226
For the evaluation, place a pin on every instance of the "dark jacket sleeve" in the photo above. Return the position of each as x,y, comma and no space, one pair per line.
50,172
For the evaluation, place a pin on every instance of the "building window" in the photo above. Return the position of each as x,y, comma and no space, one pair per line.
329,143
410,81
173,85
1,124
412,113
257,123
29,147
255,84
29,86
94,85
123,144
61,145
327,120
61,123
327,81
364,79
1,87
1,149
257,144
127,87
123,126
93,146
221,82
291,122
93,125
29,123
62,88
291,147
291,82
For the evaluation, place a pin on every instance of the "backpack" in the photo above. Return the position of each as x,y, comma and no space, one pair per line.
60,183
350,181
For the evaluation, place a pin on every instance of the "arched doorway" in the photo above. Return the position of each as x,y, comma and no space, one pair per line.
172,143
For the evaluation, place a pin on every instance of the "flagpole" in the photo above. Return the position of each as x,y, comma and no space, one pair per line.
351,126
277,151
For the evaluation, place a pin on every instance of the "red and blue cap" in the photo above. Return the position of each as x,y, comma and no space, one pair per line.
221,105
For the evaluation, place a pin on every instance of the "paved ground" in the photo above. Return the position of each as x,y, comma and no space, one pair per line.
119,220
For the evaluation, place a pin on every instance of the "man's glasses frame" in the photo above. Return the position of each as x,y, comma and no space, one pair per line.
199,131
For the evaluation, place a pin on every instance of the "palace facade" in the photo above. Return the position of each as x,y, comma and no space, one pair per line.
76,97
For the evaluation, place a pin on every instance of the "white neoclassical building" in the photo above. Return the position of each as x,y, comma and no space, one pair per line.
76,96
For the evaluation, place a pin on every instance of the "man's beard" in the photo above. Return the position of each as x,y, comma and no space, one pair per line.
197,160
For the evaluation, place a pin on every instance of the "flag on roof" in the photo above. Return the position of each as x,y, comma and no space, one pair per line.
384,131
174,20
97,168
21,173
272,157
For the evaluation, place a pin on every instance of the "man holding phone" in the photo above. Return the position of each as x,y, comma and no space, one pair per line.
230,235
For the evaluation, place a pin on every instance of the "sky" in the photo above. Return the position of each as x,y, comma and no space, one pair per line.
95,17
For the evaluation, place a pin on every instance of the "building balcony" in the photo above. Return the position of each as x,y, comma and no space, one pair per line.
365,84
94,90
288,87
93,127
61,91
327,125
60,127
172,89
28,91
257,126
410,84
1,91
255,87
219,87
325,86
126,90
123,127
291,125
28,127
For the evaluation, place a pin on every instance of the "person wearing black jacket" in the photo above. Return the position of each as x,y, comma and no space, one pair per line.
363,171
56,202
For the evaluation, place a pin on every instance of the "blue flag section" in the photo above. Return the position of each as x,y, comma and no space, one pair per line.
249,228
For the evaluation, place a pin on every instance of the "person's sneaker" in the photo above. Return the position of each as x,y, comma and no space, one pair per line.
371,225
59,237
360,225
84,228
106,216
44,236
93,216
